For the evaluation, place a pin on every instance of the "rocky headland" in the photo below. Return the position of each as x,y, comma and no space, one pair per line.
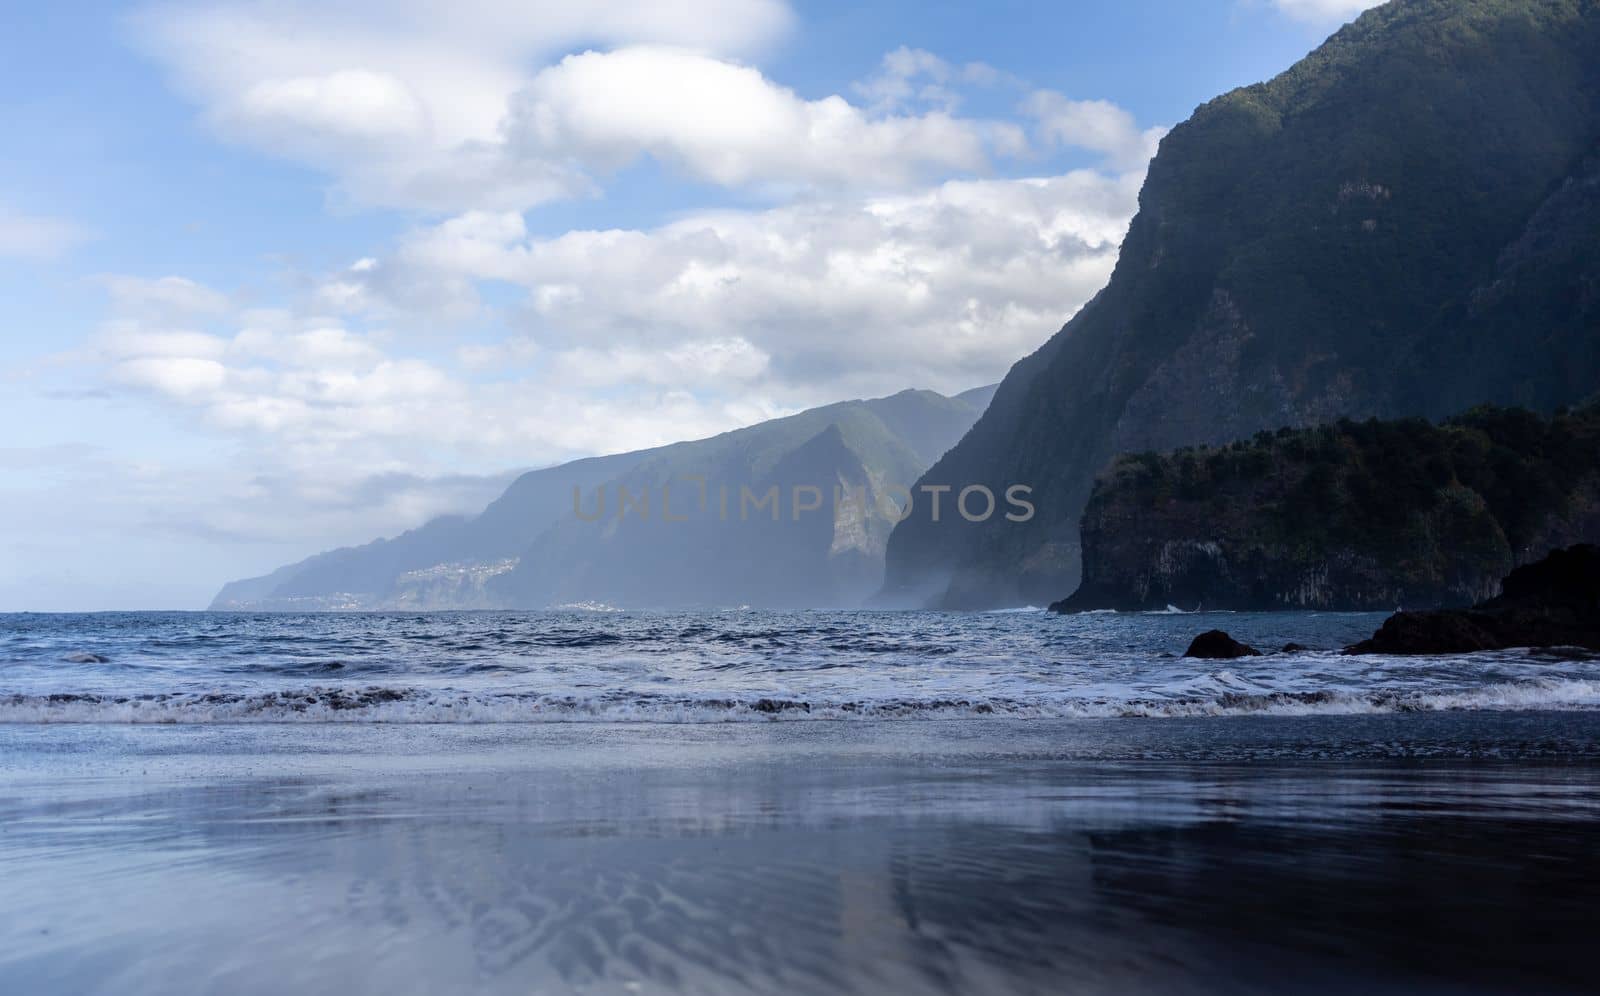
1553,603
1366,516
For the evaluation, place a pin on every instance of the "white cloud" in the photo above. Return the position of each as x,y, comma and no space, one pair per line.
1324,11
350,104
625,338
36,237
129,338
725,123
314,401
325,348
914,76
447,108
939,289
182,377
1097,125
730,363
459,61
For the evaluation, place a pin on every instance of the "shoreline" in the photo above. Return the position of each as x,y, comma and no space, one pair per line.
1416,853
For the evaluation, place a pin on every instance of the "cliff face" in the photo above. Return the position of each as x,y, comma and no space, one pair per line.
1406,223
1354,516
735,534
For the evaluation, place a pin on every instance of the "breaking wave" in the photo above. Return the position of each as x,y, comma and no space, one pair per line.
716,667
403,705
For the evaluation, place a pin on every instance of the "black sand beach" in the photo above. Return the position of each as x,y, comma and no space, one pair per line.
1450,852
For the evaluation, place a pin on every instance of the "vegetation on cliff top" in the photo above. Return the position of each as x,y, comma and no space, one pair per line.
1347,515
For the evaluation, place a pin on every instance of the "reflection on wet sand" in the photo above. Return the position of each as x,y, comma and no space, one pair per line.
972,870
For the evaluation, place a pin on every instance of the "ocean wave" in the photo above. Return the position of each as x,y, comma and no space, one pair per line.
405,705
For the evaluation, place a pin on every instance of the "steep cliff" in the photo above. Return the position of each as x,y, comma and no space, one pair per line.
1353,516
1406,223
729,521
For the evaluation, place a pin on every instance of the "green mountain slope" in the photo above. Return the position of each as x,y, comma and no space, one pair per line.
1405,223
736,537
503,558
379,573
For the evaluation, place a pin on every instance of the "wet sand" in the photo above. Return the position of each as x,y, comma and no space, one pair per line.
1439,853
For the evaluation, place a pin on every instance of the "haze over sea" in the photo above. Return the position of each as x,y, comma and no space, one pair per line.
743,801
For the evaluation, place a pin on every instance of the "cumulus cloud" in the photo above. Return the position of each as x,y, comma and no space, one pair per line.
622,339
36,237
446,108
403,100
725,123
349,105
804,302
1096,125
458,62
321,401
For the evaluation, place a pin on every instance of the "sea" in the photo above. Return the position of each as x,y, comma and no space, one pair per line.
589,800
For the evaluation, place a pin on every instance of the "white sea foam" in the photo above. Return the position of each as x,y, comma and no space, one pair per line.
410,705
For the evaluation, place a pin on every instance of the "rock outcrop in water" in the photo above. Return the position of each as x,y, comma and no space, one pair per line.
1219,646
1406,223
1553,603
1347,517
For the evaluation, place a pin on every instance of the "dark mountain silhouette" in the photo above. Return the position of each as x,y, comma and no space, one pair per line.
1406,223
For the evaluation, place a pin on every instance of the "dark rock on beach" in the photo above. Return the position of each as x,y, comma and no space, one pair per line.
1553,603
775,706
1219,646
1455,631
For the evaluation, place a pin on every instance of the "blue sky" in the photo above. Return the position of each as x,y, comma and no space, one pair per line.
290,275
